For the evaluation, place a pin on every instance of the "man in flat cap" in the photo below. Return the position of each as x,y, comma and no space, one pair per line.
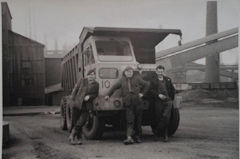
83,94
133,88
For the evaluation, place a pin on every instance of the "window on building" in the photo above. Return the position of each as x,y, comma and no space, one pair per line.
27,75
26,64
27,81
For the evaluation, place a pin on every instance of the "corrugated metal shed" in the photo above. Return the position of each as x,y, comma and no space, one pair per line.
26,72
23,66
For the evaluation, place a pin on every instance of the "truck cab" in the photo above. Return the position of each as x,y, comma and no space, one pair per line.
111,50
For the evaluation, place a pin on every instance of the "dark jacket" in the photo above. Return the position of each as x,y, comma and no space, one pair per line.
138,85
154,88
83,88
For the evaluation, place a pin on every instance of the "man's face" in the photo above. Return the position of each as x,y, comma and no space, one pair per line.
129,73
160,72
91,76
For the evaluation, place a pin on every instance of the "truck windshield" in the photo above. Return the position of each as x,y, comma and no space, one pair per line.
113,50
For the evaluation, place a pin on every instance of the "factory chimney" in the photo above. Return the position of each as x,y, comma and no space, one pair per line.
212,61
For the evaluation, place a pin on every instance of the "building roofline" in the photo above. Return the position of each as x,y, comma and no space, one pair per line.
6,4
26,38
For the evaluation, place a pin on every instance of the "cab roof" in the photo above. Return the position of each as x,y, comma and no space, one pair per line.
142,36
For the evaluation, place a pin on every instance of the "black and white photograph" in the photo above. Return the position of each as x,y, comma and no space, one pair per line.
119,79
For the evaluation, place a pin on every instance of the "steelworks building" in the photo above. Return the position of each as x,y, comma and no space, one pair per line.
23,66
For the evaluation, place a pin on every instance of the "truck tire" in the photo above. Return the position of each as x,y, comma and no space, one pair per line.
94,127
69,118
154,130
63,121
173,124
174,121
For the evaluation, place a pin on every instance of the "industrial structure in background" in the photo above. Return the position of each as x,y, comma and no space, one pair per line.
178,60
32,76
212,61
23,66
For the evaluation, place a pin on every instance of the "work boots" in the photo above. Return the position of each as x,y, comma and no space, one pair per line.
137,139
74,138
128,141
165,137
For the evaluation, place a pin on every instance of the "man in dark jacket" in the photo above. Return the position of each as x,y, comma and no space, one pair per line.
133,88
83,94
163,92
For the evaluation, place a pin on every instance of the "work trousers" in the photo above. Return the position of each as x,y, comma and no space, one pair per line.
162,113
134,117
79,118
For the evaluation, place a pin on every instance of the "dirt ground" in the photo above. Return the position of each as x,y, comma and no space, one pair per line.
209,129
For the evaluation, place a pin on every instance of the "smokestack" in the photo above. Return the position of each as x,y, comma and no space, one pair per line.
212,62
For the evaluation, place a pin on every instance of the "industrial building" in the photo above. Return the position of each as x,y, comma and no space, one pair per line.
23,66
53,89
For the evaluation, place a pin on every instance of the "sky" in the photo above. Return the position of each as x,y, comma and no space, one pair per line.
60,22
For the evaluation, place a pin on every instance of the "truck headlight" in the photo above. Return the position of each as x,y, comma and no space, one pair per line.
117,103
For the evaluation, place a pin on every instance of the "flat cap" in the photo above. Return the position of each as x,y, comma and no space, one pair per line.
91,71
128,68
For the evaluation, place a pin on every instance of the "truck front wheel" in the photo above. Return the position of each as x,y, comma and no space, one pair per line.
94,127
173,124
174,121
